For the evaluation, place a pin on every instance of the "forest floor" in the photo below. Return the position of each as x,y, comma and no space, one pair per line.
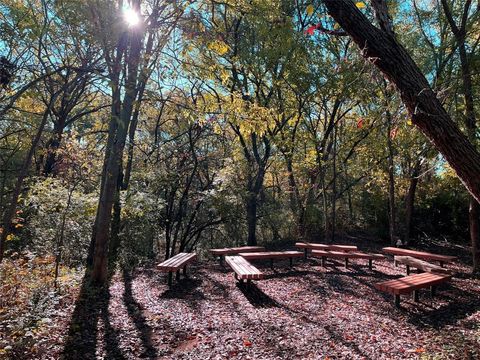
304,312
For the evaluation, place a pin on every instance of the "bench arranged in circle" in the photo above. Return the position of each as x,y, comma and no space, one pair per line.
423,255
412,283
243,270
324,254
175,264
272,255
221,253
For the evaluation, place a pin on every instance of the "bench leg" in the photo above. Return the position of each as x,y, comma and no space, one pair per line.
441,263
271,263
236,276
177,276
220,260
185,271
397,300
370,264
249,282
346,263
291,262
415,296
170,278
305,253
323,261
408,269
433,290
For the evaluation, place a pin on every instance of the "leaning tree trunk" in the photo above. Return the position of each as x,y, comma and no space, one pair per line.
470,119
426,111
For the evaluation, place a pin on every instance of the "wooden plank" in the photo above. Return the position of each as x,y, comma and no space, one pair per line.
243,268
407,284
420,264
176,262
236,250
271,255
317,246
418,254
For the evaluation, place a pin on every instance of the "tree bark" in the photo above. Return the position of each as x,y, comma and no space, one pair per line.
410,202
110,176
10,212
470,119
424,107
391,182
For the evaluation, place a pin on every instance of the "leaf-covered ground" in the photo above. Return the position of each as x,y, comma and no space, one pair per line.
307,312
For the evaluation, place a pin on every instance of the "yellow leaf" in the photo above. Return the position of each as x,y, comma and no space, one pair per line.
9,237
18,226
309,10
409,122
336,26
360,4
218,46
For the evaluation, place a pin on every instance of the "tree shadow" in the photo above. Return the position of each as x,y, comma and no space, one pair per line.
90,313
135,313
256,296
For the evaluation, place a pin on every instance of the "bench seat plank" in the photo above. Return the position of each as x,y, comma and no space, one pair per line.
236,250
271,255
419,254
243,269
317,246
410,283
176,262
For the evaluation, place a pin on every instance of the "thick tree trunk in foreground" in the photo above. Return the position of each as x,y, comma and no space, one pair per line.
470,119
101,231
426,111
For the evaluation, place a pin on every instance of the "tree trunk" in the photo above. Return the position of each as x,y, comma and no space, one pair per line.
391,183
52,147
470,119
410,203
10,212
251,218
114,164
425,109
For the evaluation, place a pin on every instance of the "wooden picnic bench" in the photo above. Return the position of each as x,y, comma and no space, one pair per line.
175,263
221,253
324,254
271,255
407,284
243,269
423,255
419,264
306,246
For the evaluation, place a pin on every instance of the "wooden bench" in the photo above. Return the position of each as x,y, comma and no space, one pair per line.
243,269
422,265
423,255
306,246
406,285
221,253
175,263
271,255
324,254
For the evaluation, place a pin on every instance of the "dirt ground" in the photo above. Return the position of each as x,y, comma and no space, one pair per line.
304,312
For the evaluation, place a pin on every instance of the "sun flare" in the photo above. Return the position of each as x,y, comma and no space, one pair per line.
131,17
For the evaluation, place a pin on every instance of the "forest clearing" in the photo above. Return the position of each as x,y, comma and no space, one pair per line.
251,179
